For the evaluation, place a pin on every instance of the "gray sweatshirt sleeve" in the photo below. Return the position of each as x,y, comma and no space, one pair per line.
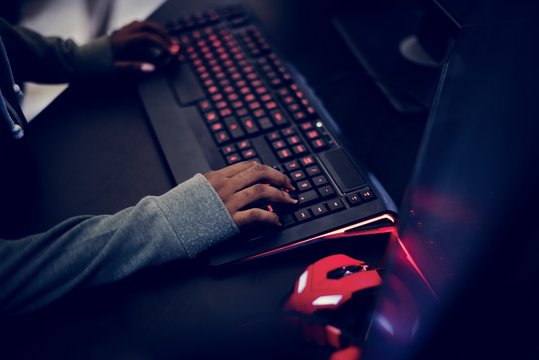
91,250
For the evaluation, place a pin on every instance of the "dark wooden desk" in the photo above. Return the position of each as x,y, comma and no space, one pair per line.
95,153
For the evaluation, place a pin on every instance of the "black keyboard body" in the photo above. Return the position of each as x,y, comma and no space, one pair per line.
238,100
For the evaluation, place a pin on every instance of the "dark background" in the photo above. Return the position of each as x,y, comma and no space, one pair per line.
93,152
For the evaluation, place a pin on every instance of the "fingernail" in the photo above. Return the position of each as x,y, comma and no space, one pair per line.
294,201
147,67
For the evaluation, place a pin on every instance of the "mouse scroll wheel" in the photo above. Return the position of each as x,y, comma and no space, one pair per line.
346,270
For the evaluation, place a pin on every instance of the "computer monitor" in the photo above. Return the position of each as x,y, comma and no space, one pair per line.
402,47
461,280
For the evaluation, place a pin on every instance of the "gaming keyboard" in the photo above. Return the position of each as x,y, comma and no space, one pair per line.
244,102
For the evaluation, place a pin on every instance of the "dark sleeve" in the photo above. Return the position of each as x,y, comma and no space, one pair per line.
37,58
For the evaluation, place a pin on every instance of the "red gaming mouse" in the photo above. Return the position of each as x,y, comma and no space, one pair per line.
333,302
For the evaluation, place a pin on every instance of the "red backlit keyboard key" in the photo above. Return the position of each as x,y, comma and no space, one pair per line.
335,205
313,170
297,175
307,197
245,144
320,180
229,149
217,126
307,161
367,194
293,140
211,117
288,132
205,105
234,127
279,144
248,154
222,137
354,199
319,210
233,158
313,134
278,118
249,124
302,215
319,144
306,126
303,185
265,123
299,150
291,166
326,191
284,154
273,136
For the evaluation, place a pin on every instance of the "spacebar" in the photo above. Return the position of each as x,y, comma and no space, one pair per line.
185,84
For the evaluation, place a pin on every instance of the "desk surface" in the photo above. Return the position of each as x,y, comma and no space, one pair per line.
95,153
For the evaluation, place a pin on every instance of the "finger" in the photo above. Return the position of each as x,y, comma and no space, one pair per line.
259,192
232,170
132,66
255,216
148,39
157,28
261,173
132,26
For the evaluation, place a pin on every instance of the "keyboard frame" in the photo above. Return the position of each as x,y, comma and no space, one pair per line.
380,213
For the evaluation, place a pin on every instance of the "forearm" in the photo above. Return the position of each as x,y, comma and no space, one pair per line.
37,58
93,250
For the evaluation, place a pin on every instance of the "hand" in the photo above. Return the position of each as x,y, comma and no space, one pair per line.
141,46
241,184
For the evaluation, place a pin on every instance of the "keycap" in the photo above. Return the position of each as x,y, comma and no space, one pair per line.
335,205
229,149
319,210
367,194
313,170
291,166
354,199
233,158
307,197
302,215
234,127
249,154
303,185
326,191
319,180
249,124
297,175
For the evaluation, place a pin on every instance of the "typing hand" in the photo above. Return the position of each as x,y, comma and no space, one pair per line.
241,185
141,46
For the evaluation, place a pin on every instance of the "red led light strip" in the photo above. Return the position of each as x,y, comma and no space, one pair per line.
339,233
416,268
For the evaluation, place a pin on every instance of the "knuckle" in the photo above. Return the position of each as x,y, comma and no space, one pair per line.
255,215
261,189
259,168
210,174
248,194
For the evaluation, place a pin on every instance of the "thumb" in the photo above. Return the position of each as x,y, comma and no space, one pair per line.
133,66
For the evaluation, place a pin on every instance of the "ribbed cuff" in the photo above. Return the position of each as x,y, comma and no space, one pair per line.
197,215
